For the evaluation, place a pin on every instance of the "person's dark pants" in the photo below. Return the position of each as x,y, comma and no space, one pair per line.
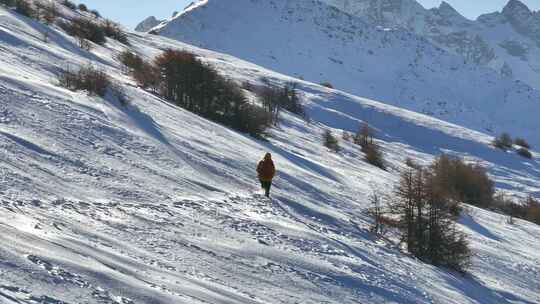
266,186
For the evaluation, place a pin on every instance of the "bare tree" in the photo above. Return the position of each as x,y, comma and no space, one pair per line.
427,222
376,211
330,141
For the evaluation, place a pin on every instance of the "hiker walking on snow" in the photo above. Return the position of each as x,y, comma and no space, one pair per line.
266,172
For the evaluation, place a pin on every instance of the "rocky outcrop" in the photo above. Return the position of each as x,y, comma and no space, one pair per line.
147,24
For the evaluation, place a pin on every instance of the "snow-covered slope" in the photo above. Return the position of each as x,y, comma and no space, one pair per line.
318,42
147,203
507,41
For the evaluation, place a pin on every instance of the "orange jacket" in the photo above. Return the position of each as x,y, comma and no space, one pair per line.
266,169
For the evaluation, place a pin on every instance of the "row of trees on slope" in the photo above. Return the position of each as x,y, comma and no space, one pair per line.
176,75
275,99
32,8
427,201
38,10
86,31
186,81
83,28
527,209
183,79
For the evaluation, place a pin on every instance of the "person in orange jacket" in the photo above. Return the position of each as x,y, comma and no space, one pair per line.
266,172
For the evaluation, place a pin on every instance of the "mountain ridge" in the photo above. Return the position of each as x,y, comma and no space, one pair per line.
476,40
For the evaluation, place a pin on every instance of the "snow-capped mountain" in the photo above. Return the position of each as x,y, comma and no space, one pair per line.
147,24
387,13
507,41
319,42
143,202
443,26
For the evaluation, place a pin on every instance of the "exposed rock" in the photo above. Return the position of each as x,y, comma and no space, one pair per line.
147,24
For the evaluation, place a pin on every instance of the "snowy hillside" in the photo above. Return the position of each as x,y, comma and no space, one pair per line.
148,203
317,42
507,41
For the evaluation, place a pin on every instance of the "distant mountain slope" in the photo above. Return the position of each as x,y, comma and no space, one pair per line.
143,202
507,41
318,42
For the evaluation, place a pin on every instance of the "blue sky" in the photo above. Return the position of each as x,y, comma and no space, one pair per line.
129,12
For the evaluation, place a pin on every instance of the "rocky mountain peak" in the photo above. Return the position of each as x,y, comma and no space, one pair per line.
449,13
447,9
147,24
523,19
517,10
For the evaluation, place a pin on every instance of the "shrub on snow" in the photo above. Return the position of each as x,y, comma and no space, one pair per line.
330,141
503,141
25,8
525,153
464,182
95,13
113,30
87,78
8,3
522,143
373,153
69,4
327,84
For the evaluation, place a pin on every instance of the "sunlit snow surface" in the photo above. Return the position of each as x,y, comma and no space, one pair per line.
147,203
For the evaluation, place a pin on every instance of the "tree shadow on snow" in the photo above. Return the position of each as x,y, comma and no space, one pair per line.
301,162
28,145
138,119
147,125
469,222
474,289
301,210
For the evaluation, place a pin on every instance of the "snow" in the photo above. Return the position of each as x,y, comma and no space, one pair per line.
148,203
318,42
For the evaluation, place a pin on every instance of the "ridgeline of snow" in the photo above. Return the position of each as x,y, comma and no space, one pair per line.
148,203
318,42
